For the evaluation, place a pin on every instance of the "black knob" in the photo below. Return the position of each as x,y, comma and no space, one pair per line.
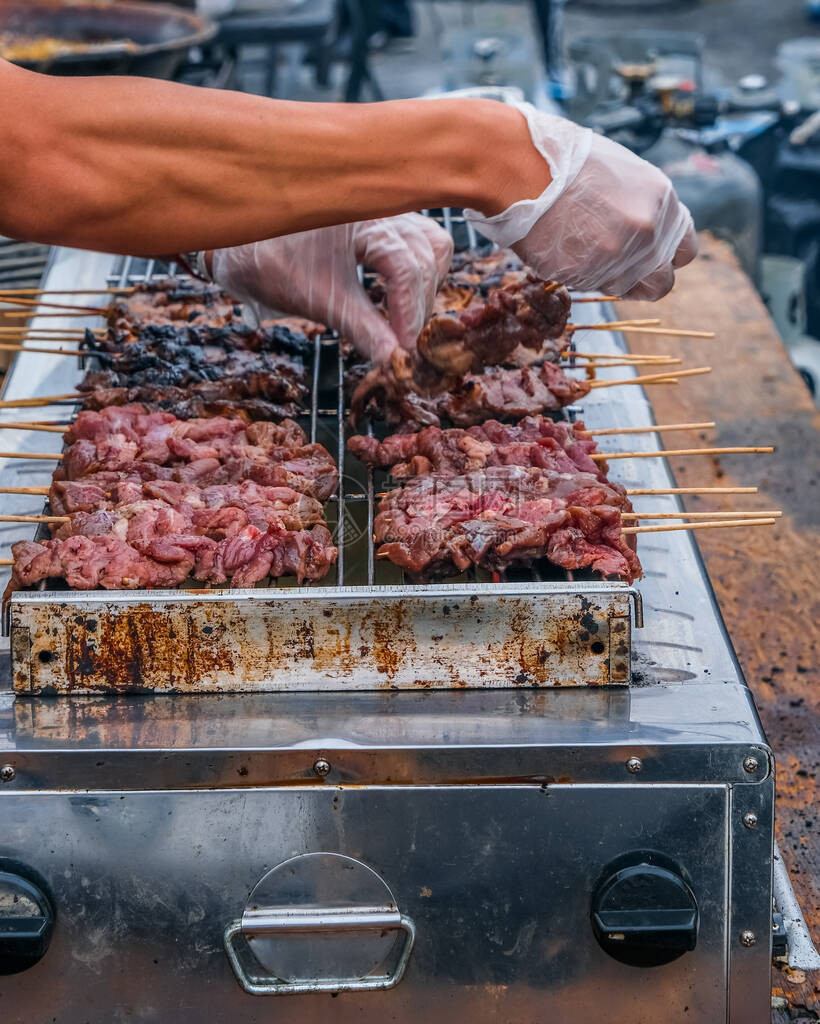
643,912
26,923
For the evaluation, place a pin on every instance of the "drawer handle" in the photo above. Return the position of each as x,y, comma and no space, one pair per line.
301,921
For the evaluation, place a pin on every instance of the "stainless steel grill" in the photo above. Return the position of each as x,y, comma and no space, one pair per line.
491,816
534,612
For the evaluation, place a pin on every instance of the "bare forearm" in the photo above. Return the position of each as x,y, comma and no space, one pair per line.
133,165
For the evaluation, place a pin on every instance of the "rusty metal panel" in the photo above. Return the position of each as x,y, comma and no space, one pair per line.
322,639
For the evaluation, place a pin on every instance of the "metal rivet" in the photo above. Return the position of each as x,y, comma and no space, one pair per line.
750,765
747,938
750,819
7,773
634,765
321,767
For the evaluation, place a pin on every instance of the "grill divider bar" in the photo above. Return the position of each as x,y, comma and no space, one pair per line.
371,554
314,395
340,456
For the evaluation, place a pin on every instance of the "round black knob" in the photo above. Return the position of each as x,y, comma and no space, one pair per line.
26,922
643,912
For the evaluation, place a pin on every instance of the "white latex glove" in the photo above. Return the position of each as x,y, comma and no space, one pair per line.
314,274
608,220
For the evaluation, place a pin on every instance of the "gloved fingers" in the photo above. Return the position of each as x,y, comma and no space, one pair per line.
655,286
411,289
688,248
361,323
402,253
441,243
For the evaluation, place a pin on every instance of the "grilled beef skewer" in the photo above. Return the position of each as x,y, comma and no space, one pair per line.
505,516
217,451
209,398
394,395
142,560
534,441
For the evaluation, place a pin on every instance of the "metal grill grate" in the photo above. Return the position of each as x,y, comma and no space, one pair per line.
351,511
367,629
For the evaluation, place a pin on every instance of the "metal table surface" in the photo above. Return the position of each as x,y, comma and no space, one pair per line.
687,716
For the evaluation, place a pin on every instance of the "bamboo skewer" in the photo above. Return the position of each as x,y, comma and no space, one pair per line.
735,514
644,356
6,561
691,490
74,331
26,403
31,314
651,378
598,298
673,332
47,427
128,290
603,456
614,325
52,305
35,519
656,429
714,525
8,347
596,364
24,490
32,455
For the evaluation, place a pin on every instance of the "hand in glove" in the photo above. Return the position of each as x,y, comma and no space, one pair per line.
608,220
314,274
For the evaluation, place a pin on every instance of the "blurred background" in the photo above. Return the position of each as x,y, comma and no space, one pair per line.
724,95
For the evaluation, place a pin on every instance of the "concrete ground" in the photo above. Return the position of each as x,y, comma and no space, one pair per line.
741,36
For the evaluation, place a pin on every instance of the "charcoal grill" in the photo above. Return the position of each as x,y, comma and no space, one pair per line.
446,842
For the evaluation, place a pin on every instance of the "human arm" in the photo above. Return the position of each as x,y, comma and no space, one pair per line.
148,167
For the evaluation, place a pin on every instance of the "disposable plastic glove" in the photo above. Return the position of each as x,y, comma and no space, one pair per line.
608,220
314,274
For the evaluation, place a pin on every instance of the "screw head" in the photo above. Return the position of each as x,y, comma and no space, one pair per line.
750,765
750,819
747,938
634,765
321,767
7,773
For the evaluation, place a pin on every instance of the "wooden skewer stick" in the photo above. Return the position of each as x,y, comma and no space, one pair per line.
78,331
31,455
735,514
603,456
35,519
614,325
650,378
30,314
32,426
715,525
692,490
598,298
52,305
603,361
24,490
656,429
645,356
6,561
598,364
78,291
8,347
673,332
25,403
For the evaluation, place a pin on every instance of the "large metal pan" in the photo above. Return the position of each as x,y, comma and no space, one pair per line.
114,38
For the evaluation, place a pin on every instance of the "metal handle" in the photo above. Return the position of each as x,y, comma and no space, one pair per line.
296,920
